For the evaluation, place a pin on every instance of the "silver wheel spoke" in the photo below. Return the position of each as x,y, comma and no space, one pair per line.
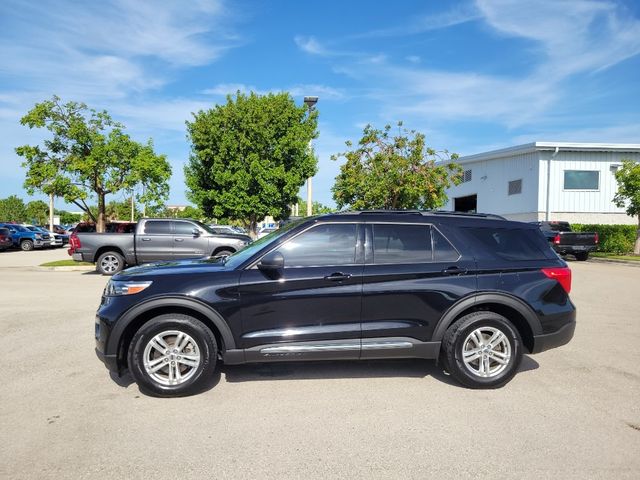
495,339
477,337
180,366
501,358
471,355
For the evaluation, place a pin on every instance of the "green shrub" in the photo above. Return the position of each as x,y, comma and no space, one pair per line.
613,238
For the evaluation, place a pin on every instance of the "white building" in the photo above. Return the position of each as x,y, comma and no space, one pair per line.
574,182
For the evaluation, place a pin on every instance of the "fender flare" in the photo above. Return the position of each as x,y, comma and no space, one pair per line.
115,338
482,298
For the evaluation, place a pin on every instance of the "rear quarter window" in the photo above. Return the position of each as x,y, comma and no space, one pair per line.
511,243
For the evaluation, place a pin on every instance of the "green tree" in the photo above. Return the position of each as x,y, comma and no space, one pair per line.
390,171
89,156
250,156
316,209
12,209
628,196
122,210
189,211
68,218
38,211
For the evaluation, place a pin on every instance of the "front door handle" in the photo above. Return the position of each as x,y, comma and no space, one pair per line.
338,276
454,271
179,239
146,239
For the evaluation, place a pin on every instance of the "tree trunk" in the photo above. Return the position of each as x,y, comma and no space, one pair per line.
100,225
253,227
636,250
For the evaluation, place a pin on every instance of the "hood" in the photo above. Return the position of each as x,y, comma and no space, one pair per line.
236,236
174,267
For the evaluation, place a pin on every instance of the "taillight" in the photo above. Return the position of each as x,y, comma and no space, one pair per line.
74,242
556,239
597,238
562,275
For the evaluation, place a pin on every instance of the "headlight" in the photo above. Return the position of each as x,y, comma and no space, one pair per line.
38,236
116,288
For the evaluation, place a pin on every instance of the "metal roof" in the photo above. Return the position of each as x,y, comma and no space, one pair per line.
542,146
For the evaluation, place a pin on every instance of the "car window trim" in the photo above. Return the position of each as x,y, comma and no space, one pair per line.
254,264
369,259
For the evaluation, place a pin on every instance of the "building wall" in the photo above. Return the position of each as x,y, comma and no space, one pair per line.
490,181
577,206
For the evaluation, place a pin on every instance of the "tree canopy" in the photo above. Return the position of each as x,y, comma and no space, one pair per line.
394,171
250,156
37,211
89,156
628,195
12,209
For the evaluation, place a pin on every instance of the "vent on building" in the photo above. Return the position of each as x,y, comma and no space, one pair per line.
515,187
466,176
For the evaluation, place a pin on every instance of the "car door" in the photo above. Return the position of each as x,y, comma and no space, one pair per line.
412,275
311,308
155,242
186,244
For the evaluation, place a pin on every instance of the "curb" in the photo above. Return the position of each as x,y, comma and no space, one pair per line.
79,268
633,263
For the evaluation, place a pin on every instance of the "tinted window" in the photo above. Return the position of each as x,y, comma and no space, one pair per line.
581,180
512,244
329,244
443,251
4,231
557,227
183,228
401,243
157,227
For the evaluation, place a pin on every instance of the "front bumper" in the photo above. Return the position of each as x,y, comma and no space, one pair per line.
560,337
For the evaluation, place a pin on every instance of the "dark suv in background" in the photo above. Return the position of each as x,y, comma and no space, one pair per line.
473,291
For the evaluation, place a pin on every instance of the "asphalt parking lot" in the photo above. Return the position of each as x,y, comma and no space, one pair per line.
572,412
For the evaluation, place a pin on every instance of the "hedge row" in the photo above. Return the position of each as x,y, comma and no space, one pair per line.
613,238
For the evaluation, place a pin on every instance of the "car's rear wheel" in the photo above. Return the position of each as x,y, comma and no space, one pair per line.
110,263
172,355
582,256
26,245
482,350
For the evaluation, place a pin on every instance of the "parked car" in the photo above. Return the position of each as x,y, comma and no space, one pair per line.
564,241
25,239
5,239
153,240
56,240
61,237
472,291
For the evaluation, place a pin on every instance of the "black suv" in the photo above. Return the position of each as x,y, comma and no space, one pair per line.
472,291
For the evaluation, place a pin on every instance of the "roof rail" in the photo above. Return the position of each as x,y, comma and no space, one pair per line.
422,212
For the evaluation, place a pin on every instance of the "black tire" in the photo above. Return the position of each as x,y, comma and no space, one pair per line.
26,245
223,253
206,347
581,256
110,263
459,333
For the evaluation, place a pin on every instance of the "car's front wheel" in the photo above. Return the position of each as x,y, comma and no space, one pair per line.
482,350
172,355
26,245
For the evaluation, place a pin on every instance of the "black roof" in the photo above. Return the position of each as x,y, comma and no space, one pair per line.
423,213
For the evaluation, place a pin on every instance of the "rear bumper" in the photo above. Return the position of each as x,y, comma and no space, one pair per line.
563,249
560,337
78,257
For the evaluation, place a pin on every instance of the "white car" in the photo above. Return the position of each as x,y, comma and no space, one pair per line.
264,231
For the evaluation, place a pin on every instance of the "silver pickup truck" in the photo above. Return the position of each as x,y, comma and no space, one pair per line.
154,239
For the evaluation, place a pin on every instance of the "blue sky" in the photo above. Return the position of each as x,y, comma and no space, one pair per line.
472,76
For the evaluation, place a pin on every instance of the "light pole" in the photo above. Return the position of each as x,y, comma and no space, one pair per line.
310,102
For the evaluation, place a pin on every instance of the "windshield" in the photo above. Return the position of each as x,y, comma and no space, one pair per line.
247,252
206,228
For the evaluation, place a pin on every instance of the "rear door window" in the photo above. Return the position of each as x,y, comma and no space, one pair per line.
157,227
443,251
401,243
512,243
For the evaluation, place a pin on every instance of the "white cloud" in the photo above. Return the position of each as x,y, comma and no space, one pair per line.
299,90
413,58
310,45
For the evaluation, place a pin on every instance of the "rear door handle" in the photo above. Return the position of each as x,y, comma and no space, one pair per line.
338,276
179,239
146,239
454,271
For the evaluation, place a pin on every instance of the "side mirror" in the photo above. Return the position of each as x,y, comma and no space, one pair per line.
271,262
195,232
